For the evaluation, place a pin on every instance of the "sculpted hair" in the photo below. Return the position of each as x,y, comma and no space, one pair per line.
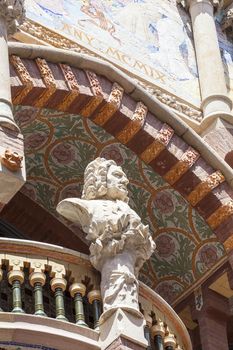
95,178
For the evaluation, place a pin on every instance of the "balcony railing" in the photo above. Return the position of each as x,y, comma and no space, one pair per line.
164,330
46,280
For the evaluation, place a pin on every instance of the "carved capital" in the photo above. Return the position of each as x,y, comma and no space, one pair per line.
58,283
13,12
158,329
37,277
77,288
169,340
94,295
16,275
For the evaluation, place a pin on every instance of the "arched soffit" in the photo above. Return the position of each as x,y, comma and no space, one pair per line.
76,84
59,145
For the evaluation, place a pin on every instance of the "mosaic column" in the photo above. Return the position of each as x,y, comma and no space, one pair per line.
215,101
11,15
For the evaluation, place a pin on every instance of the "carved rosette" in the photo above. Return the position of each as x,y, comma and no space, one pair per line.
13,12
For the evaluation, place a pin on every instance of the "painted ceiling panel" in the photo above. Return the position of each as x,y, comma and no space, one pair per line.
58,147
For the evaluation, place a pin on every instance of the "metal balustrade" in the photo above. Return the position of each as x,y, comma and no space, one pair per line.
164,329
35,280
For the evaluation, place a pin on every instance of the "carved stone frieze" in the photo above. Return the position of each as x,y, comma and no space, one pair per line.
120,243
51,37
174,103
11,160
13,12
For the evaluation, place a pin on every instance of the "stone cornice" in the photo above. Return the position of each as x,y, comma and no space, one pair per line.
14,14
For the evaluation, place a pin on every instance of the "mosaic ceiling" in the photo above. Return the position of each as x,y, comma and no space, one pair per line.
58,146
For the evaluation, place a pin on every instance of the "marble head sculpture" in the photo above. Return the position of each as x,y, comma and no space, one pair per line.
120,243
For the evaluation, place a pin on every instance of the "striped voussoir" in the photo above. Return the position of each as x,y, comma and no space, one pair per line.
39,83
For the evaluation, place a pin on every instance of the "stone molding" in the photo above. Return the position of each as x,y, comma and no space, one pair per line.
162,148
47,331
57,40
14,14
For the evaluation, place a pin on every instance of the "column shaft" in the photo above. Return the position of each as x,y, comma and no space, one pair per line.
38,295
158,341
6,115
60,307
210,67
17,300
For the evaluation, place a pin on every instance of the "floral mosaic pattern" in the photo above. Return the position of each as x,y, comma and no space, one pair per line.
58,147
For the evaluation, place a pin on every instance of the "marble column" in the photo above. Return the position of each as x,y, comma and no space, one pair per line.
215,101
11,15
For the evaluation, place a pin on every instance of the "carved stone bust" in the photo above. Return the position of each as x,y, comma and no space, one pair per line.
120,243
